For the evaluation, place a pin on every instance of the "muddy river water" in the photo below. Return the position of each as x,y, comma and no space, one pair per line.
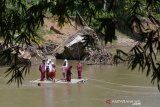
107,86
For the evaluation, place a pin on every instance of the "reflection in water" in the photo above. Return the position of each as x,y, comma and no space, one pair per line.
48,96
67,91
79,88
66,94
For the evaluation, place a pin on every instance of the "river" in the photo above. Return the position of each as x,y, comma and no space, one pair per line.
107,86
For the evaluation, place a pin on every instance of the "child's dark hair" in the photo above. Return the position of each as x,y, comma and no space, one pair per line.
70,66
64,64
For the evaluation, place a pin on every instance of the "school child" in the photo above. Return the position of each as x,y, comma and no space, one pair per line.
79,69
42,69
52,73
64,68
50,70
68,74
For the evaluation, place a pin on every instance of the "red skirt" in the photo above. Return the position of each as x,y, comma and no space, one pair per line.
52,75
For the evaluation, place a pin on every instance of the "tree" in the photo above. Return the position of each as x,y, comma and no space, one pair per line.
19,22
144,55
18,25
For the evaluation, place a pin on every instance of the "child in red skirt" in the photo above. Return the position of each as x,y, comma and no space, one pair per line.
42,69
79,69
68,74
52,73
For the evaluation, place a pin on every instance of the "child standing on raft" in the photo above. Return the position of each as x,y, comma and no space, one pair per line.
51,70
79,69
64,68
68,74
42,69
52,73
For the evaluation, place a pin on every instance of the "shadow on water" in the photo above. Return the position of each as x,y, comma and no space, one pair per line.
113,86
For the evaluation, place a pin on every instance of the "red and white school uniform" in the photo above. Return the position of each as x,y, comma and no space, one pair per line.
79,70
42,69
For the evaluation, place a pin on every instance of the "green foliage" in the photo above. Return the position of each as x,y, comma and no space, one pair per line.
18,70
144,55
108,25
18,24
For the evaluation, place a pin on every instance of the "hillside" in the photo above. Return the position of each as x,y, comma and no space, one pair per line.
59,34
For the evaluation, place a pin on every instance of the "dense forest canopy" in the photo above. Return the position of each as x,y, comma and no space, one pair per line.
20,19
